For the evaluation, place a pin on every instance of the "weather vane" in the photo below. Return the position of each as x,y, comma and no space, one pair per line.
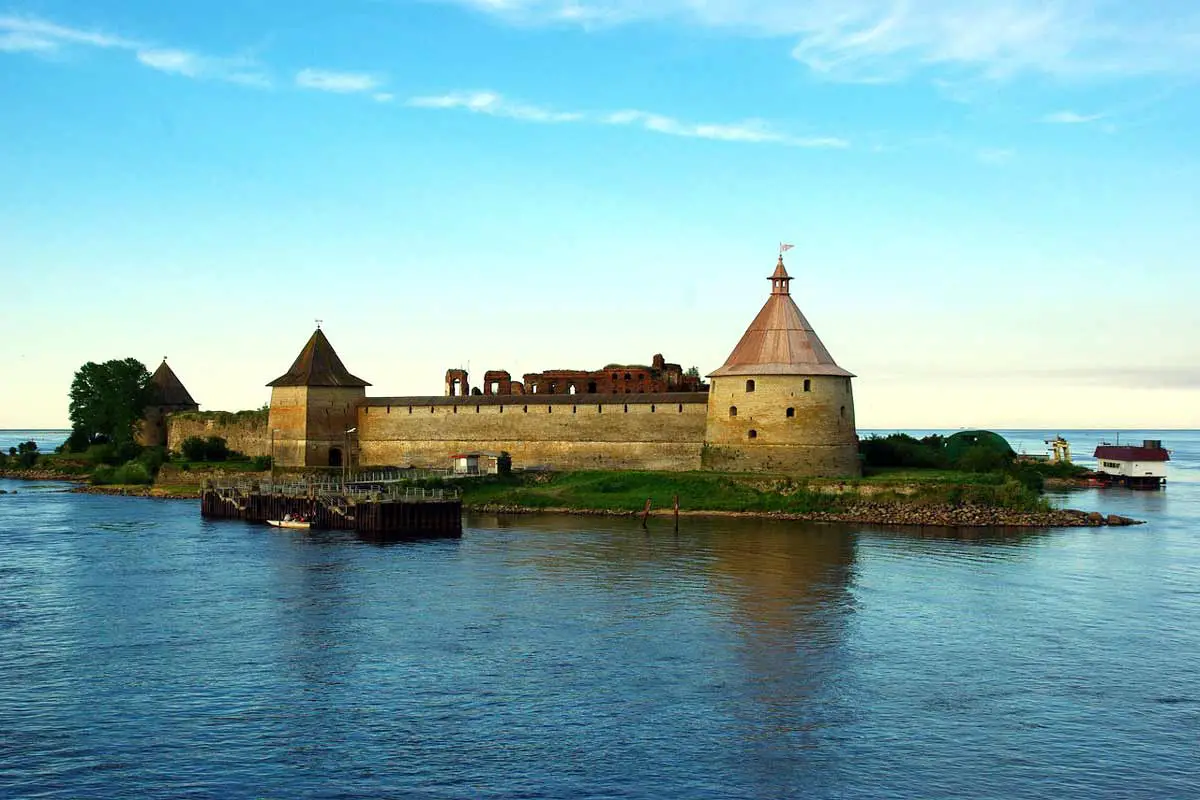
319,323
783,248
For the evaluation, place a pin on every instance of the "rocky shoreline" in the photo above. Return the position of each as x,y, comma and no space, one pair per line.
870,514
39,475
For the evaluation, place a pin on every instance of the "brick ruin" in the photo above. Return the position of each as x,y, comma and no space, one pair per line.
658,378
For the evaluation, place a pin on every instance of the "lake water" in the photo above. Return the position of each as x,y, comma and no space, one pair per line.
145,652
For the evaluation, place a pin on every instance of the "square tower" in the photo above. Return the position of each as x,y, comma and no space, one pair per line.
313,405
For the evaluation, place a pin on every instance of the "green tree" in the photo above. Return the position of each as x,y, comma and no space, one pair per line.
108,400
27,454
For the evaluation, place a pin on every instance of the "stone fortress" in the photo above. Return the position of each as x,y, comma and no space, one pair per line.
779,404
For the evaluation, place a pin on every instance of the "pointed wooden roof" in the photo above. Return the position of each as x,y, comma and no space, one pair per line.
170,390
780,341
318,365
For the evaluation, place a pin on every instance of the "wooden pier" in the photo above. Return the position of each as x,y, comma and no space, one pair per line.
393,512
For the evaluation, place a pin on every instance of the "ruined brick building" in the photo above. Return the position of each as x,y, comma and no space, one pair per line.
613,379
779,404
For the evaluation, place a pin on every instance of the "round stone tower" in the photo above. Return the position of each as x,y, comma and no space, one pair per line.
780,403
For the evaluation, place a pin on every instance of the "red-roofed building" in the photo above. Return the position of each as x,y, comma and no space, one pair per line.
1133,465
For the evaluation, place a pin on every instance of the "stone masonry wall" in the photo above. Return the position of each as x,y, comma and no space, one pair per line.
245,432
817,438
563,432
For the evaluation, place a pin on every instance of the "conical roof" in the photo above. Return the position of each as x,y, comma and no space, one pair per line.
780,341
318,365
169,389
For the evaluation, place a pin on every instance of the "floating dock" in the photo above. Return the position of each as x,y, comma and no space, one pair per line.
382,511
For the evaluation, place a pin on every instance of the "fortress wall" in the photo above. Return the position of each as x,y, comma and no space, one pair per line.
597,432
246,433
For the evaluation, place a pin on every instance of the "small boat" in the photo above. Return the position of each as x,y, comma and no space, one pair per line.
289,523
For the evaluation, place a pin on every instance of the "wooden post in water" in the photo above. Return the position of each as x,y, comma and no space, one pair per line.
677,513
646,513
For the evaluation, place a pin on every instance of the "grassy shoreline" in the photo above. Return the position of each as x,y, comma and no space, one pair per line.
890,497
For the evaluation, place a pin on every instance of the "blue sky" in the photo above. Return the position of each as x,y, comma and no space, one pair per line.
994,204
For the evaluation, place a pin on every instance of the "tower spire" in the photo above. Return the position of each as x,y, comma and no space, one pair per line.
780,278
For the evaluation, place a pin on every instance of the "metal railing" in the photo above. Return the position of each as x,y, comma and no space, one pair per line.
333,492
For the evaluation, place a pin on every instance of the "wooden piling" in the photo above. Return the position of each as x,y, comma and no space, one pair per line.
380,519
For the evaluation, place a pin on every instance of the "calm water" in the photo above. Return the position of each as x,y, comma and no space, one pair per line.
146,653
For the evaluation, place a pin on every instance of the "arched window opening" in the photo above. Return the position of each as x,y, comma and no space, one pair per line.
681,408
553,389
495,387
410,409
843,412
456,409
627,376
750,386
807,385
549,409
574,409
591,387
571,389
791,412
652,409
599,409
733,411
626,408
477,409
335,457
534,388
525,409
753,434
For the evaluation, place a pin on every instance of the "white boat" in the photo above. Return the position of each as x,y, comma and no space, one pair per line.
289,523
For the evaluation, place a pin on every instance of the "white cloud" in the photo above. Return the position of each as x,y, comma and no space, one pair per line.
883,40
29,34
750,131
339,82
39,34
176,61
21,42
383,97
496,105
1070,118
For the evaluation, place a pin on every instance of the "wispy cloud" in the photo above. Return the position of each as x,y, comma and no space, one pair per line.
887,40
23,33
177,61
338,82
27,34
33,35
1071,118
495,104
